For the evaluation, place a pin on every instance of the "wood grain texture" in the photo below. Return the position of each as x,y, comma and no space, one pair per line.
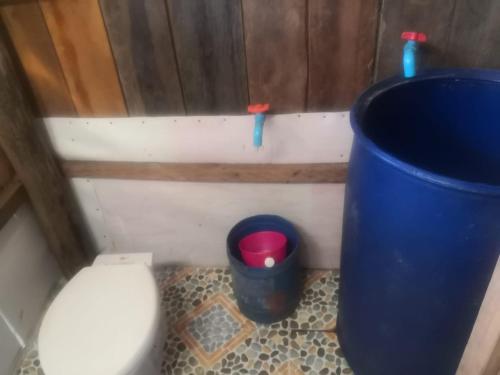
208,38
429,16
276,48
12,196
209,172
81,42
493,365
28,149
140,38
342,39
6,170
482,353
475,35
29,34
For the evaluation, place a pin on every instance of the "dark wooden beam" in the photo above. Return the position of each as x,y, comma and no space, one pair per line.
209,172
11,197
27,148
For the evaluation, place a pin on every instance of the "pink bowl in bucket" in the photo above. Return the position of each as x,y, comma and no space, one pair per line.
263,249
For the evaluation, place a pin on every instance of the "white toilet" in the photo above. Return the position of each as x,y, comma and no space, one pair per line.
105,321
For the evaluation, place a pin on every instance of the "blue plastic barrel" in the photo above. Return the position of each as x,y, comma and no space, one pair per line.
265,295
421,232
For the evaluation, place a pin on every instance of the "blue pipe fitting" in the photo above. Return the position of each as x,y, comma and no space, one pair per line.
413,39
259,111
258,129
409,58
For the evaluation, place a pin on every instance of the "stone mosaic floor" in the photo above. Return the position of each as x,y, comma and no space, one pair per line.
207,335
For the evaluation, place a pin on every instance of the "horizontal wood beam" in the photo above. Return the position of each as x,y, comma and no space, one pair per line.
11,197
209,172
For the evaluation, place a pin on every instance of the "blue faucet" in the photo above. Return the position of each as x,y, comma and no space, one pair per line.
410,51
259,111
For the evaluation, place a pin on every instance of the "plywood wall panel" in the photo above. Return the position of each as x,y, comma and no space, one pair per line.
320,138
342,39
81,42
429,16
32,41
276,48
475,35
208,37
140,38
187,223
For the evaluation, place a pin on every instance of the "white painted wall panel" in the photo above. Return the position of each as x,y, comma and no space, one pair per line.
292,138
187,223
28,272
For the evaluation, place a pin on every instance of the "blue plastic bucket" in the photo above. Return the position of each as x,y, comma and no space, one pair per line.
421,232
265,295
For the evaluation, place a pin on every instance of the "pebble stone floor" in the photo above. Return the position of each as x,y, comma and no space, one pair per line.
206,334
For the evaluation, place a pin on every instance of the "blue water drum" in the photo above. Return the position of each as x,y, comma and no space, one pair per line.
421,231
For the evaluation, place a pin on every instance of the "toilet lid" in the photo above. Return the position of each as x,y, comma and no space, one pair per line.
103,322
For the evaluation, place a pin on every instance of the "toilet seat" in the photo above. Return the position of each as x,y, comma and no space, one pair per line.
103,322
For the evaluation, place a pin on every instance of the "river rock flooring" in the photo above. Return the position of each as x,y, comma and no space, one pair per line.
206,334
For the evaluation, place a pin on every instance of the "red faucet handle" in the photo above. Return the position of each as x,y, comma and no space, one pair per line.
413,35
258,108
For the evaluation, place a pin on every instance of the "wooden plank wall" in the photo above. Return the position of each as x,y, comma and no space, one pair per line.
162,57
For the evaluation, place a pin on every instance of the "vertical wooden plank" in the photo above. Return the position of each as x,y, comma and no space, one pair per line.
482,353
276,48
208,37
80,40
29,151
29,34
342,39
475,35
6,171
140,38
429,16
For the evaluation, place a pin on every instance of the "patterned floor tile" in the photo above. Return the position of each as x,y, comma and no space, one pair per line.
317,352
213,328
206,334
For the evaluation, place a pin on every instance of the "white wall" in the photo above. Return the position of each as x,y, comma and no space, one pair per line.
294,138
187,223
28,273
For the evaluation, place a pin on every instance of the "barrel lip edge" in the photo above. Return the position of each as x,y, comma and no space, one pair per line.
364,100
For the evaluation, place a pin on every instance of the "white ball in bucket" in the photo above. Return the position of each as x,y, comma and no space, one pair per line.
269,262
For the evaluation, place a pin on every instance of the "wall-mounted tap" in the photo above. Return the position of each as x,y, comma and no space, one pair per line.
259,111
413,38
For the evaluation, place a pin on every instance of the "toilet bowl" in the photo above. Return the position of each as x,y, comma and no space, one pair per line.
105,321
